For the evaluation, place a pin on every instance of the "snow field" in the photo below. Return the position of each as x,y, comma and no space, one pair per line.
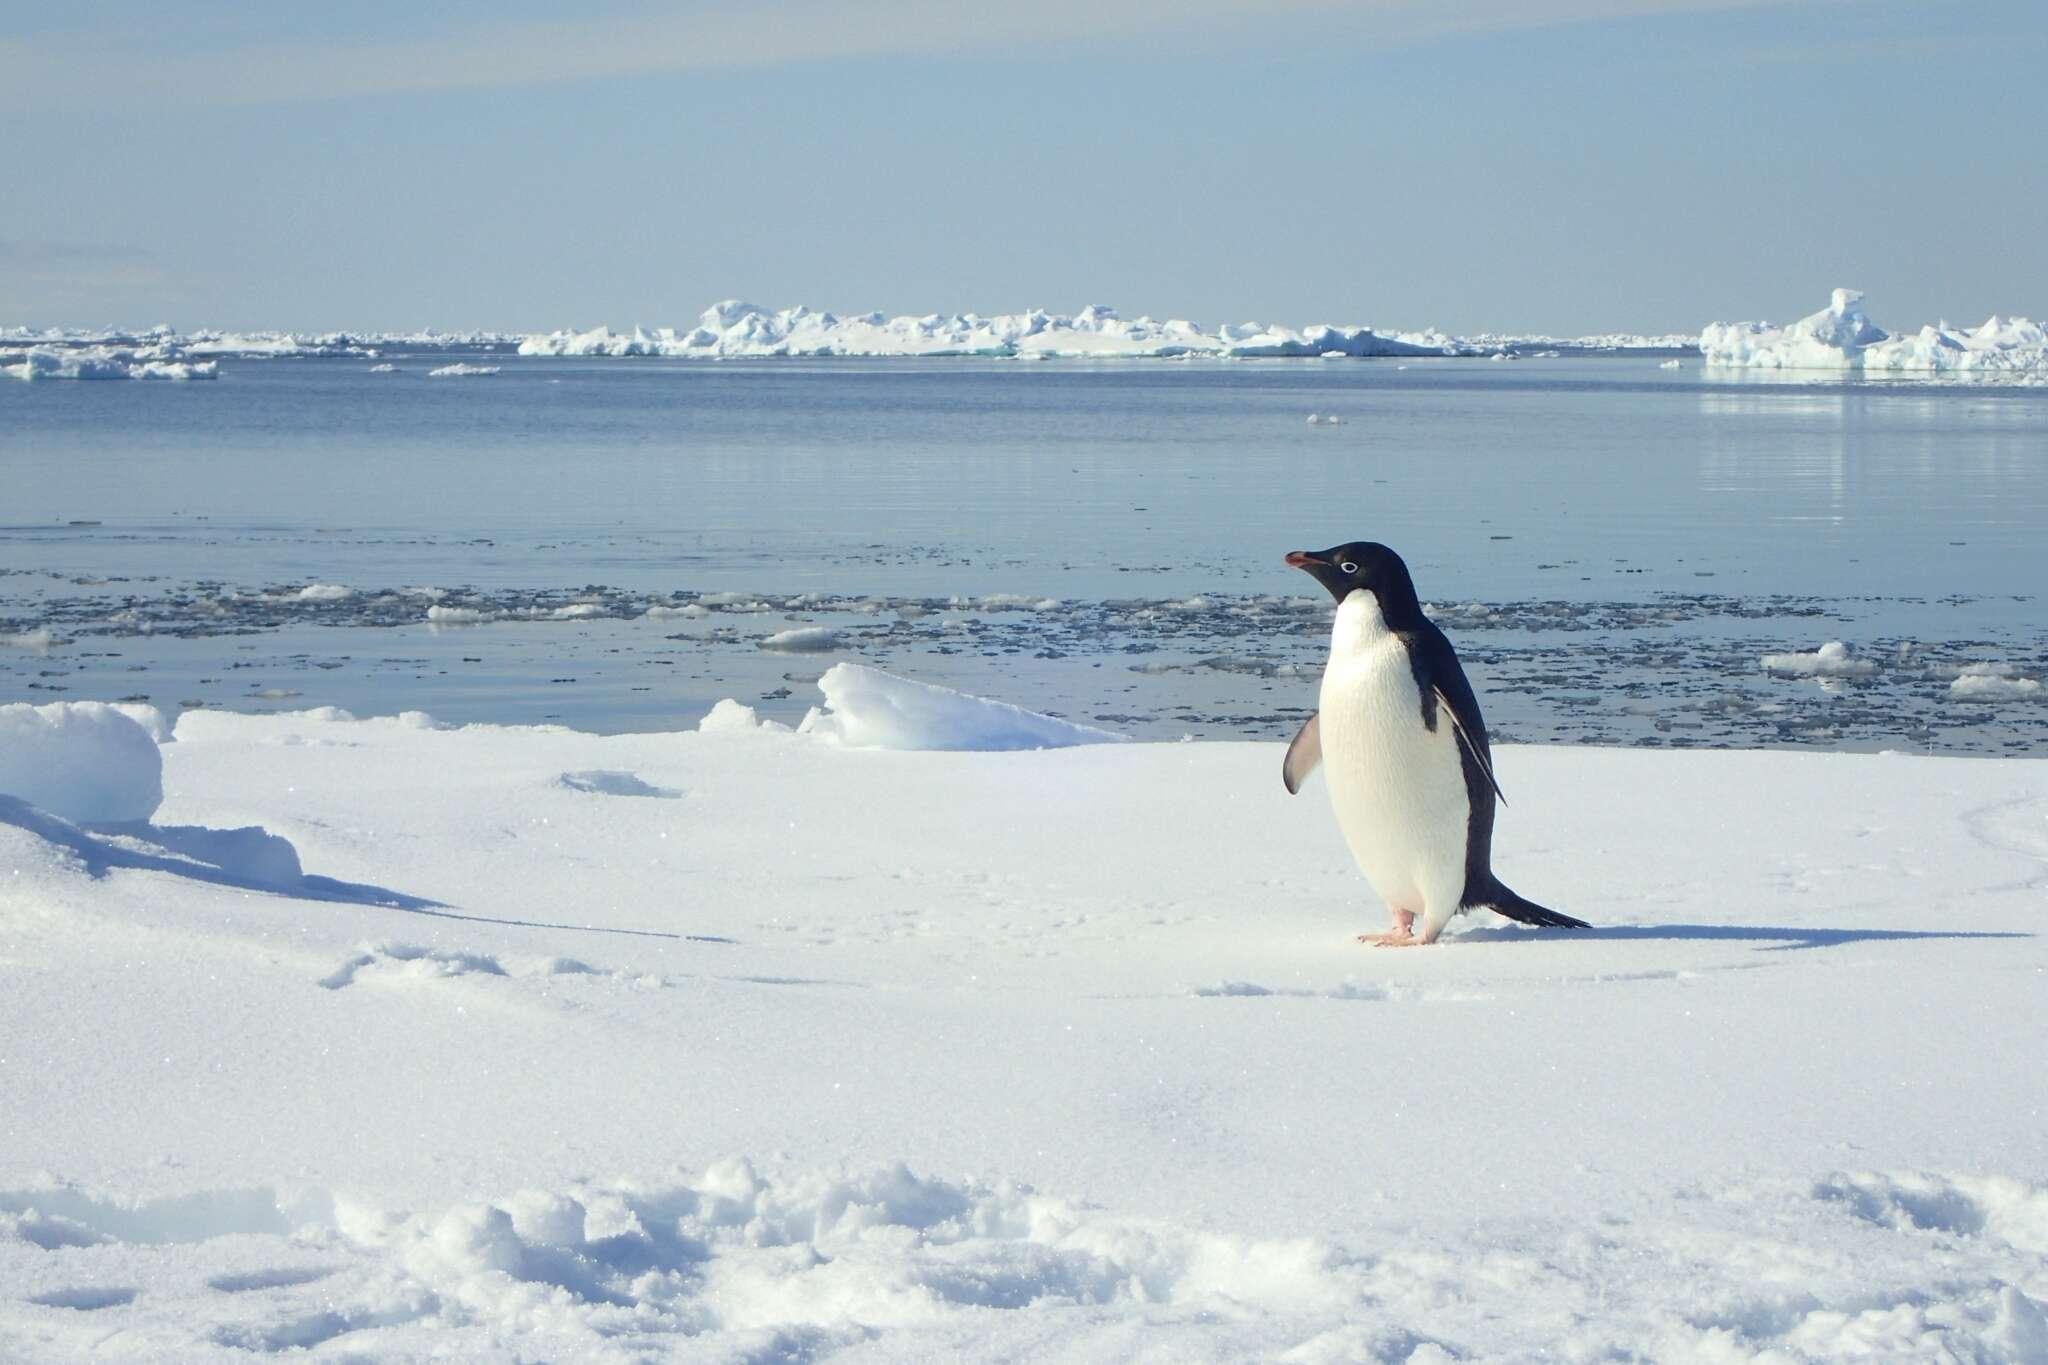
736,1044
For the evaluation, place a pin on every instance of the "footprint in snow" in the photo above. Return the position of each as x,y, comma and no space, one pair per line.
285,1277
607,782
85,1299
414,961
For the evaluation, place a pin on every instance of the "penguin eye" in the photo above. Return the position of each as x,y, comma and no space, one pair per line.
1348,567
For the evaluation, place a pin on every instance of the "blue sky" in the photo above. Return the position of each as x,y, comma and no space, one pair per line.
1527,165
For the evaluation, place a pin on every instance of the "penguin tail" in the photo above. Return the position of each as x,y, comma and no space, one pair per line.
1506,902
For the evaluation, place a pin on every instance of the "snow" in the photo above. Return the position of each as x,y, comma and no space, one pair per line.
1842,337
456,616
399,1042
1831,660
461,370
325,592
83,761
867,708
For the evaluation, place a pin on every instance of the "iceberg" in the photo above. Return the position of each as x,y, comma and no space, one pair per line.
1842,337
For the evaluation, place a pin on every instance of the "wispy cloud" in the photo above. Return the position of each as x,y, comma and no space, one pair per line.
81,69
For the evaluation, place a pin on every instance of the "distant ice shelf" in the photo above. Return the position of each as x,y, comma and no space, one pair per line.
1842,337
736,329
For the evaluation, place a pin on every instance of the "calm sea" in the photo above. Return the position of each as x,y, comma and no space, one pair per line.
1676,525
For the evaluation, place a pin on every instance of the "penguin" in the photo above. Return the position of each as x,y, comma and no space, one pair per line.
1409,770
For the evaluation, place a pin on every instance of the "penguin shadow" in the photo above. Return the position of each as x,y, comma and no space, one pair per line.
1770,938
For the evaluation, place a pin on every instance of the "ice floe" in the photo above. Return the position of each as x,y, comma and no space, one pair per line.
461,369
1842,337
1831,660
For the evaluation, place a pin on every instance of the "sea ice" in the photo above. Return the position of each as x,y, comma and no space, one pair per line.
461,369
735,328
457,616
804,639
106,362
1831,660
1842,337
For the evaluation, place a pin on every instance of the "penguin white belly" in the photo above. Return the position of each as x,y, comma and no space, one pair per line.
1398,789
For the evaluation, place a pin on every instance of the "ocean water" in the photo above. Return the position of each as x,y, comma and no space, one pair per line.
1613,546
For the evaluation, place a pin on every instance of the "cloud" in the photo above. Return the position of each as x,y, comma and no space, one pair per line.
81,70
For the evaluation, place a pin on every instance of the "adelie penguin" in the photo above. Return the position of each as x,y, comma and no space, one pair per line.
1399,735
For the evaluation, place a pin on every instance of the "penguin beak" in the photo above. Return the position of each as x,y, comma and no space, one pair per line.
1322,571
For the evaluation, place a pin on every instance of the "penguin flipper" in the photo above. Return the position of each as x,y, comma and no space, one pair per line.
1303,754
1477,750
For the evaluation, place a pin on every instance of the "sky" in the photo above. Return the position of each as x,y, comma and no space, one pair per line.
1558,166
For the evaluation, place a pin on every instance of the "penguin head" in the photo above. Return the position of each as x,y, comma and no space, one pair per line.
1362,564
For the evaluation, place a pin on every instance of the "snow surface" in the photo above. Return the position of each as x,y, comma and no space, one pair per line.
1842,337
407,1041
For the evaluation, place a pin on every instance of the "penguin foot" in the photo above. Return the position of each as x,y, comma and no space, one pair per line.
1402,935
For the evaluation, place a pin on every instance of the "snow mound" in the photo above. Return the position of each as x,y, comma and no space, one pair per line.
81,760
107,362
461,369
153,722
457,616
732,717
869,709
1831,660
1842,337
325,592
